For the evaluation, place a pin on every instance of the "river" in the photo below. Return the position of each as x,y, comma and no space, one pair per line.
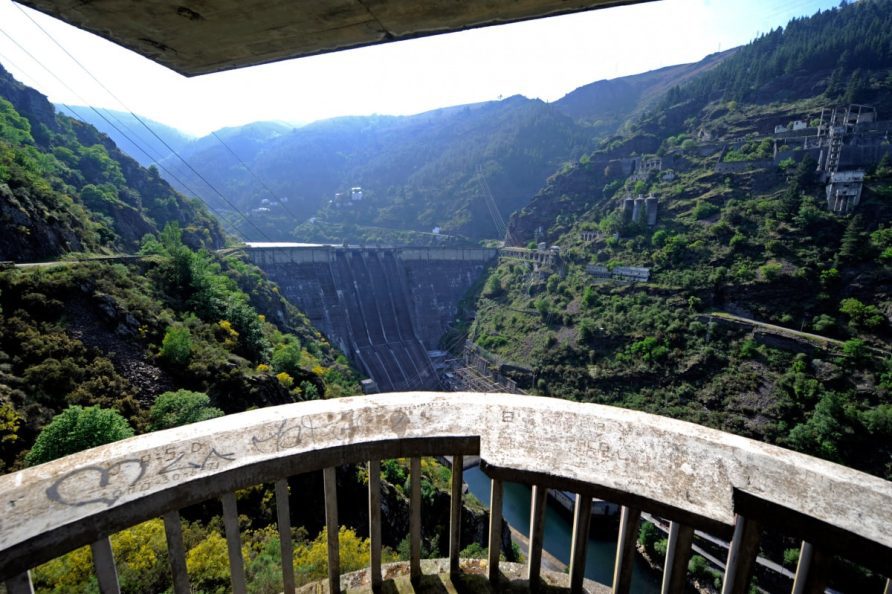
558,534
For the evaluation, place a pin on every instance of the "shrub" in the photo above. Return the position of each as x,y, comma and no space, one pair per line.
287,357
770,271
648,536
208,564
704,210
823,323
173,409
749,348
660,548
649,349
493,287
76,429
589,297
587,331
474,551
285,379
861,315
791,557
176,346
309,390
856,349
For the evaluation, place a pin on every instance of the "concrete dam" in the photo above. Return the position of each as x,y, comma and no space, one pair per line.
383,307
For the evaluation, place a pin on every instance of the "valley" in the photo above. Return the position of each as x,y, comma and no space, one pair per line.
709,242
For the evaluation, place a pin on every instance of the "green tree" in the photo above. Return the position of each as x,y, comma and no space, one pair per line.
860,314
76,429
853,243
287,357
176,346
172,409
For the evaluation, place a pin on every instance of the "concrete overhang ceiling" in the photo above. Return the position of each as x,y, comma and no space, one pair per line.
203,36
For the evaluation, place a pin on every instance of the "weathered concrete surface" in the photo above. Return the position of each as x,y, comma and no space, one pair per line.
681,465
383,307
201,37
471,580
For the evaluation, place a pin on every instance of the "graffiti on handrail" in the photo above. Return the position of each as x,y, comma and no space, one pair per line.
292,433
107,484
97,484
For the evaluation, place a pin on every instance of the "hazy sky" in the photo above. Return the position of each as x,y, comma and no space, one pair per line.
545,58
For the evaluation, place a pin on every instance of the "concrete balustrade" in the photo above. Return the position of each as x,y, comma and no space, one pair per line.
697,478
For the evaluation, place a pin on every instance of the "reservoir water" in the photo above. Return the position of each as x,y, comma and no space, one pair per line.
558,534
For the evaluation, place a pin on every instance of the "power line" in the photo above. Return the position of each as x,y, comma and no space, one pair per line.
146,126
78,95
254,175
156,160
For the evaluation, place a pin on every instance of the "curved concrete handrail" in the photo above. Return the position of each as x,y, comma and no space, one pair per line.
677,464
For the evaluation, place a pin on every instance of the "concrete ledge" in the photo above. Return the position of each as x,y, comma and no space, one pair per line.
652,459
437,580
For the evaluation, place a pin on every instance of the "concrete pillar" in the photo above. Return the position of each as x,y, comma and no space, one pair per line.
176,551
625,549
495,530
455,513
283,520
582,517
537,532
741,556
234,545
329,481
375,523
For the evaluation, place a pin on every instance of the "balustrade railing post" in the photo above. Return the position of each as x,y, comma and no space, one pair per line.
741,556
375,524
625,549
582,517
415,519
678,552
104,564
176,551
329,480
537,532
234,545
495,530
20,584
283,521
455,513
811,571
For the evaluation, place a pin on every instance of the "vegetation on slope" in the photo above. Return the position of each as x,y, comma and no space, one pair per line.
64,187
118,336
758,244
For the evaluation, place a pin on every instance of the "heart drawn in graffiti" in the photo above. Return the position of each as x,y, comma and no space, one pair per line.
97,484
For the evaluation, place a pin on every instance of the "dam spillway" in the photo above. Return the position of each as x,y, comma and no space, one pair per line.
383,307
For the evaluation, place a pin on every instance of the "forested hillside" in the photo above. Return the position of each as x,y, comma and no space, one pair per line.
417,173
130,132
65,187
764,313
119,335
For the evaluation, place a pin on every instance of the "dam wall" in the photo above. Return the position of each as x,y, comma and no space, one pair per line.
383,307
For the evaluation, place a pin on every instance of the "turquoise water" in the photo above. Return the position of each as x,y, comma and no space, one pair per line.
558,534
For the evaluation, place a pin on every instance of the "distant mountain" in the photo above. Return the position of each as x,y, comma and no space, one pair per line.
125,129
606,104
66,187
418,173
